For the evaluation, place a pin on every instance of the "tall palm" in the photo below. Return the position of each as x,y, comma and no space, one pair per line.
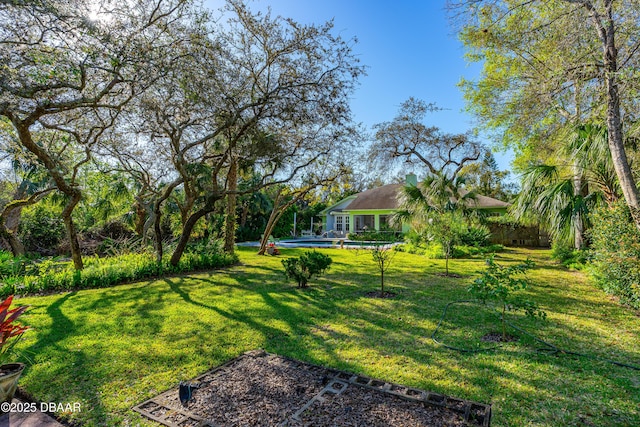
440,207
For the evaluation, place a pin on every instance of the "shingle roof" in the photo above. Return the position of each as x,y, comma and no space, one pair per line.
386,197
486,202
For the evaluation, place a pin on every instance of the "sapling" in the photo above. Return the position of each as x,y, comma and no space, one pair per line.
382,255
500,283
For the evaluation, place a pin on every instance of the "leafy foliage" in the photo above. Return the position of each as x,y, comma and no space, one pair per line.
10,332
569,257
484,177
438,209
616,253
51,275
303,268
500,284
376,236
476,236
42,229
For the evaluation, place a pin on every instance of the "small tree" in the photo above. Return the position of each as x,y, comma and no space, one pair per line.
499,283
447,229
440,209
382,255
309,264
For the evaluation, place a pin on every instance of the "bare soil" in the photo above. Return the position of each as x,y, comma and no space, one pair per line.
260,389
497,337
378,294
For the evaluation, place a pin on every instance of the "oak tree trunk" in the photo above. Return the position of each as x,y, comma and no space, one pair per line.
186,234
157,232
275,216
16,246
72,233
70,190
230,218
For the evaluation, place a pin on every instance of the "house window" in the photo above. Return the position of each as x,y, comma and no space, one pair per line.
386,223
363,221
346,223
339,223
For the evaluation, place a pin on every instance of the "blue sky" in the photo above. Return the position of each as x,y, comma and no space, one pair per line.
409,48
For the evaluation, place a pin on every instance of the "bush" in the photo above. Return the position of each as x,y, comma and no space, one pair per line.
501,284
14,266
376,236
476,236
616,253
54,276
411,248
434,250
41,230
568,256
309,264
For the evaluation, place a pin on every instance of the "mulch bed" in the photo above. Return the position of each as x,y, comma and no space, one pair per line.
378,294
261,389
497,337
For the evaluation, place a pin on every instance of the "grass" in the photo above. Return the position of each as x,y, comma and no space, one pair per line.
110,349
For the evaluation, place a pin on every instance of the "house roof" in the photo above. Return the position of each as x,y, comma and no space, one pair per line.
486,202
386,197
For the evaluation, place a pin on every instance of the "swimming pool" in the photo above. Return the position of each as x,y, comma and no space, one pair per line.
328,243
322,243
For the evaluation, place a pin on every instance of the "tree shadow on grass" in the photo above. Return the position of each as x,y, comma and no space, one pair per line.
51,382
386,339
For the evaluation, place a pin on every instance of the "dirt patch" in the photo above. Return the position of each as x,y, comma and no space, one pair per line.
497,337
379,294
450,275
260,389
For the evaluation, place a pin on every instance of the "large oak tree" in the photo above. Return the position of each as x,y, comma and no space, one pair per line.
68,76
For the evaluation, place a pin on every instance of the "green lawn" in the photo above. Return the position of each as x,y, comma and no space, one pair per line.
111,349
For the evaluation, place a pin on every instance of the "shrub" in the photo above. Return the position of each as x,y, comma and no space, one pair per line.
376,236
568,256
499,283
55,276
41,230
616,254
309,264
476,236
14,266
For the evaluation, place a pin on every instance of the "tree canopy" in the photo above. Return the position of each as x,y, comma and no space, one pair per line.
549,66
182,104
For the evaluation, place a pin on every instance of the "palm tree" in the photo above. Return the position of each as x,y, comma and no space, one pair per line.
563,196
439,207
